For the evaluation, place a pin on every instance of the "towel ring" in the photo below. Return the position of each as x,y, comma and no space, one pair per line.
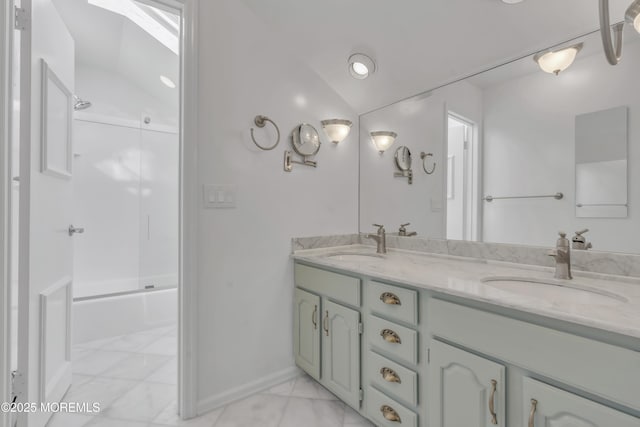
424,156
261,122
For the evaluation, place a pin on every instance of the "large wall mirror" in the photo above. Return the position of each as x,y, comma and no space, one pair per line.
520,154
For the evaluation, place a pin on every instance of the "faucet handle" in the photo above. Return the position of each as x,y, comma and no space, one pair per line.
404,225
380,227
581,232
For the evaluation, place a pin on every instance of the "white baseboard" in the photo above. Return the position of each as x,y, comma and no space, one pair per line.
214,402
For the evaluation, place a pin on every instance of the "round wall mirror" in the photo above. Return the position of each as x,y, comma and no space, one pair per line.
306,140
403,158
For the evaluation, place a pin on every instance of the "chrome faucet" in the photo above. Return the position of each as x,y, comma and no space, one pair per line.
403,231
562,255
380,238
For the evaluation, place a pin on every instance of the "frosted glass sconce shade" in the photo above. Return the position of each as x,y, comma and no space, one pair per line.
633,15
555,62
336,129
383,139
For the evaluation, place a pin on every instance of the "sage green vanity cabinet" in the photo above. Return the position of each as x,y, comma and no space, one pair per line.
405,356
464,389
327,332
341,352
306,332
549,406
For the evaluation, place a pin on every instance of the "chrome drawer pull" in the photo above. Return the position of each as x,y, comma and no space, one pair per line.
390,414
389,375
494,417
532,414
389,298
390,336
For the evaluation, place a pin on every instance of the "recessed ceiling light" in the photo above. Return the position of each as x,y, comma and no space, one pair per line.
361,66
167,82
512,1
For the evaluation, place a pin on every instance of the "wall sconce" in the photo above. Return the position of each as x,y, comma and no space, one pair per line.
336,129
632,15
383,139
555,62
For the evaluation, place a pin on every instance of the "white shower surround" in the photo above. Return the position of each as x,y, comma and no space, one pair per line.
95,319
125,185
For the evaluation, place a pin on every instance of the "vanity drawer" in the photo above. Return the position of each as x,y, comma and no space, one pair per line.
393,378
397,340
333,285
378,404
393,301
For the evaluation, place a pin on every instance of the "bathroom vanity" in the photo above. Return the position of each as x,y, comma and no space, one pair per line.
418,339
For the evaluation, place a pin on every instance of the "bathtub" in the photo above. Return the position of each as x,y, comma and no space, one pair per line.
109,316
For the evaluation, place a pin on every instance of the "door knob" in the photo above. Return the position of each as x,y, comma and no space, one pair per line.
73,230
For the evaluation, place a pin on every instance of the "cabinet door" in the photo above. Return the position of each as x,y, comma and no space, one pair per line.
464,389
306,332
341,352
547,406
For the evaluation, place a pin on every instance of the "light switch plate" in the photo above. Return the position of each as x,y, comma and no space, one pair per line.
219,196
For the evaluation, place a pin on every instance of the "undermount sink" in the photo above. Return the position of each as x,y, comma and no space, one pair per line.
554,289
355,257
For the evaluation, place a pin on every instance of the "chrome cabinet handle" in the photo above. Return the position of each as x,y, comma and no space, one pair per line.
390,336
313,317
494,417
326,323
532,414
389,298
73,230
390,414
389,375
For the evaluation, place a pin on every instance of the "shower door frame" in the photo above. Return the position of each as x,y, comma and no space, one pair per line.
189,197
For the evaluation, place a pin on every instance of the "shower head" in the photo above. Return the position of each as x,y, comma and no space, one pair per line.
80,104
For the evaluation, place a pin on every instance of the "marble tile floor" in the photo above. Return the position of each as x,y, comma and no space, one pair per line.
134,378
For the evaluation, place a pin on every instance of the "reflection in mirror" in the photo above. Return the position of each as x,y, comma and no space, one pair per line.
306,140
524,142
403,162
601,174
460,179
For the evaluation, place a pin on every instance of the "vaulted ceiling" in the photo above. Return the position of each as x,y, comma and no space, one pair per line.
419,44
113,43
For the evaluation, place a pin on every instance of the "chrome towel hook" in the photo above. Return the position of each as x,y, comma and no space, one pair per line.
424,157
261,121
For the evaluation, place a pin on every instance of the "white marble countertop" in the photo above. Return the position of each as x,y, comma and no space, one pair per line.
610,303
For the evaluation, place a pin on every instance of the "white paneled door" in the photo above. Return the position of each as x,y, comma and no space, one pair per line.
46,239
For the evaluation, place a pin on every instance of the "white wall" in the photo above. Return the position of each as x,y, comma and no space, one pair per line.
245,288
529,149
113,95
421,124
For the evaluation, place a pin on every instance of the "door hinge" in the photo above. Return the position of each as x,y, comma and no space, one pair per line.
360,328
428,355
361,394
21,19
17,385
